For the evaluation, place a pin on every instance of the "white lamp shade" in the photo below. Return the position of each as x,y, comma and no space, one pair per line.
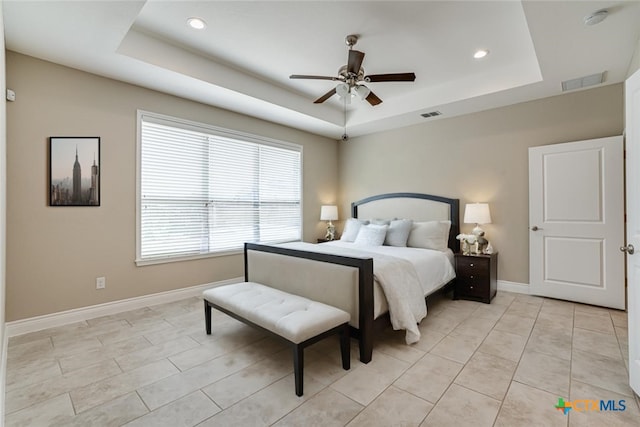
328,213
362,91
342,89
477,213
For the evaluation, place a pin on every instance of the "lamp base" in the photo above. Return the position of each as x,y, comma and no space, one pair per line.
331,232
477,230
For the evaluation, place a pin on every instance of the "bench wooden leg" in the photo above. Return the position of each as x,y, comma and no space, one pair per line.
345,347
207,317
298,367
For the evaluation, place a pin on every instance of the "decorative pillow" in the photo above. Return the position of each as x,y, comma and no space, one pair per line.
398,232
371,235
430,235
351,228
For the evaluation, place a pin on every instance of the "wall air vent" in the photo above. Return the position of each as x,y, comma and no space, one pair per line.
431,114
580,82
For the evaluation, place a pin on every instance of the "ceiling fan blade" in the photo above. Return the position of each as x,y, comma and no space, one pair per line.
373,99
325,96
393,77
355,61
302,76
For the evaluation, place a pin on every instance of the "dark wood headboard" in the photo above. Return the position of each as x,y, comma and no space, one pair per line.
433,208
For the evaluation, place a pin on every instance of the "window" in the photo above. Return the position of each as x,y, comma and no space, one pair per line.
204,190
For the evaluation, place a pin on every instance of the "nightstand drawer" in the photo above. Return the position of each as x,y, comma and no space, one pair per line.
481,274
474,288
469,263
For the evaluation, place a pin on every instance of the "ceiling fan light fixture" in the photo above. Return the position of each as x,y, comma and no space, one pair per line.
362,91
196,23
480,53
342,89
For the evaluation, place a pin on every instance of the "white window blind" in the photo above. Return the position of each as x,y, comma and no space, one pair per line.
204,190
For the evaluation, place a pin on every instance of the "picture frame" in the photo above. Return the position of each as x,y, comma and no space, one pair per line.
74,171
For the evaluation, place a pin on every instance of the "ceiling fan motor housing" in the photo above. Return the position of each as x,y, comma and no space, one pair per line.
351,78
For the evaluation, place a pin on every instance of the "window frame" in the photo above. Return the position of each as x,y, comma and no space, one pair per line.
212,130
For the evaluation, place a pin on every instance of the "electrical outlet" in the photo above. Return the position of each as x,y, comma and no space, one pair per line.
101,282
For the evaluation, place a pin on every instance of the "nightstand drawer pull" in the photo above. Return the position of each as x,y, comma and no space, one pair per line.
470,277
471,265
470,287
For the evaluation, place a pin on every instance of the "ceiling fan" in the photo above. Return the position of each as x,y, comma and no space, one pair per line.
352,77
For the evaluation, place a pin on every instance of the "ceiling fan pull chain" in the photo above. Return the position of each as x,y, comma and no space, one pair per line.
345,137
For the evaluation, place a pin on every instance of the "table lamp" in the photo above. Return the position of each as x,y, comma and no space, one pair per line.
329,213
478,213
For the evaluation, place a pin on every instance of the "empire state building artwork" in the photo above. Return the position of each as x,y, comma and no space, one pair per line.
74,171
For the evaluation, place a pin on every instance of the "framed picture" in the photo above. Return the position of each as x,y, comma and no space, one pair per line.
74,171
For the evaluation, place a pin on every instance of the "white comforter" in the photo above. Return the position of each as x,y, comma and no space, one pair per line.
404,275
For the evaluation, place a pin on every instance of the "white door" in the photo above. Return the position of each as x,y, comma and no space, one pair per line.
632,96
576,220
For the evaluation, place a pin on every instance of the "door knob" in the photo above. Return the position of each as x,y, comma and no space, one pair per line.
628,249
535,228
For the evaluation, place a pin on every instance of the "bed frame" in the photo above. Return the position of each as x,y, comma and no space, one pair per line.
419,207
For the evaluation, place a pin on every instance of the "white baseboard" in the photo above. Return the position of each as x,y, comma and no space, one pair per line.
33,324
506,286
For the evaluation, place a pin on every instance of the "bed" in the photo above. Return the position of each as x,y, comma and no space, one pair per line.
339,274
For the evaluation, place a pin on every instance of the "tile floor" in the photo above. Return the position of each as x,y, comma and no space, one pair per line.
503,364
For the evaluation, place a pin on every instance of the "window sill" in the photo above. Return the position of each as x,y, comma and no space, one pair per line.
166,260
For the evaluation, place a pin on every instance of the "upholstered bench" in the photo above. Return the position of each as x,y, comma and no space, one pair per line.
299,321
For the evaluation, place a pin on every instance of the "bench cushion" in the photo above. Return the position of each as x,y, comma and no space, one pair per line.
290,316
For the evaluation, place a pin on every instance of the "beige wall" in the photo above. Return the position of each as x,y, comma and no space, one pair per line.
55,254
480,157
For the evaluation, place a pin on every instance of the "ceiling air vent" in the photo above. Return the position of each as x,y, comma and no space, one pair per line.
580,82
431,114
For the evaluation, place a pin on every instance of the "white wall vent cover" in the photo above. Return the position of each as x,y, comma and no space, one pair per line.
431,114
580,82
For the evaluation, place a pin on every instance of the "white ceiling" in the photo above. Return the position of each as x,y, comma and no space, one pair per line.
243,59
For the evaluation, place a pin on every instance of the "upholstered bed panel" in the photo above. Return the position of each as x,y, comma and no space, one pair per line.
332,284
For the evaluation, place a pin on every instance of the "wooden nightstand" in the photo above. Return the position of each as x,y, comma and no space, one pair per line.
476,277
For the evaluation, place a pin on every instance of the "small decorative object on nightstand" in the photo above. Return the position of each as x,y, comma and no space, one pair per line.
476,277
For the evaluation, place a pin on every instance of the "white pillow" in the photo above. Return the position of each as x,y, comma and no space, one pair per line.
371,235
351,228
430,235
398,232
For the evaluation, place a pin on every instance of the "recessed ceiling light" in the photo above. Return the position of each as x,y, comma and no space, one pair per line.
480,53
196,23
